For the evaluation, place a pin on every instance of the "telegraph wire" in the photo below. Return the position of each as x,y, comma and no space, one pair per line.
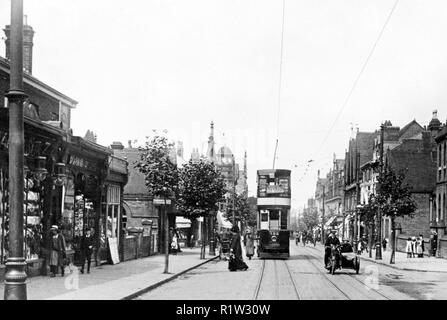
351,91
280,82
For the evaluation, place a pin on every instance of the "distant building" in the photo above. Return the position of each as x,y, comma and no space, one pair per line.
439,205
139,211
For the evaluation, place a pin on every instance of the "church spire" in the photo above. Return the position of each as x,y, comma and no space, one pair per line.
210,153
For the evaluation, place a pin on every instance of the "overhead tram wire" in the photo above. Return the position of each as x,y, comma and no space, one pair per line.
351,91
280,83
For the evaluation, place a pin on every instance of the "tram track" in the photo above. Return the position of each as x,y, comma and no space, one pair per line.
352,276
258,285
329,280
276,276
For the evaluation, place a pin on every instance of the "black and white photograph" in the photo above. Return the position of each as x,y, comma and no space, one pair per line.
223,155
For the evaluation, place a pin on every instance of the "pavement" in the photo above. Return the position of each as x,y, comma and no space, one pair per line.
425,264
121,281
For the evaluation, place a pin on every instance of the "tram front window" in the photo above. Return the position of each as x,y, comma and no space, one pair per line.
274,220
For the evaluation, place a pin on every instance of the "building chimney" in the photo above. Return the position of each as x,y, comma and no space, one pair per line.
28,35
116,145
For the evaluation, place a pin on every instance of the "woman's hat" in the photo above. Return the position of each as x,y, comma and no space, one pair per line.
54,227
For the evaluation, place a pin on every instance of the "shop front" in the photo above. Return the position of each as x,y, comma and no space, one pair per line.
43,180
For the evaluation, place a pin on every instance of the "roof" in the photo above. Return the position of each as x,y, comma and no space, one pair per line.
36,83
365,143
136,183
410,130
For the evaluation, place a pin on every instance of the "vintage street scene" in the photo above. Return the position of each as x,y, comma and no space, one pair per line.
205,150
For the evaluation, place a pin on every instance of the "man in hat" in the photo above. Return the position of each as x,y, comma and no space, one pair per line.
331,240
57,251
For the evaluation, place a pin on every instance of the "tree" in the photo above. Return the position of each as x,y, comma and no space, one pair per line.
309,219
393,199
242,209
367,214
161,177
201,187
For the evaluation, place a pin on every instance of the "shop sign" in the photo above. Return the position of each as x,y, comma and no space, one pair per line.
118,165
81,163
113,247
159,201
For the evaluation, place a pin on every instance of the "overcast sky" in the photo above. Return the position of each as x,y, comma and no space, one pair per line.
139,65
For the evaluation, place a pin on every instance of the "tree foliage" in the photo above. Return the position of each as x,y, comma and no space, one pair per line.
241,207
309,218
393,197
161,174
368,211
201,187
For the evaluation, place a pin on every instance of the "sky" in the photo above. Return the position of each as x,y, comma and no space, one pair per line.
139,65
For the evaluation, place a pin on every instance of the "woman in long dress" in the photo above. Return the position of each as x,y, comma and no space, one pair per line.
236,262
419,248
408,248
249,245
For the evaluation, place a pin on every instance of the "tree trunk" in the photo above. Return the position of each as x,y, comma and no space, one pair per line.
212,237
393,240
190,233
166,225
370,238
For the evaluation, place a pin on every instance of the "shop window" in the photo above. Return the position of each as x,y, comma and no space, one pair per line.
33,220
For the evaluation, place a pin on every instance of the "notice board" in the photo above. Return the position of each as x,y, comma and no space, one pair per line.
113,248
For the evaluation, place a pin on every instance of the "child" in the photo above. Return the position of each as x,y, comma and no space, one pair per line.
409,248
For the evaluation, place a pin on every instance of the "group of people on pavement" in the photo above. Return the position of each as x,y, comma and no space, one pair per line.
415,247
305,237
174,236
58,255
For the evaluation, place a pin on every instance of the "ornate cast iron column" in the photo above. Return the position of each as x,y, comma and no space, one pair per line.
15,277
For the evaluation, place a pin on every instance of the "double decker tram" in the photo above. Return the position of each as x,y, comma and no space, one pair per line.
273,206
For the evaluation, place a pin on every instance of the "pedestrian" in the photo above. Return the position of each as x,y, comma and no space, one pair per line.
420,246
57,251
178,239
86,250
359,247
174,242
218,243
413,246
408,248
236,262
249,245
434,243
384,243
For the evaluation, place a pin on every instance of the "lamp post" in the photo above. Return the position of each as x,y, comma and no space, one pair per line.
165,216
15,277
379,213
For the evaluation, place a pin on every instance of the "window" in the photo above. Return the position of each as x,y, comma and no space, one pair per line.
112,211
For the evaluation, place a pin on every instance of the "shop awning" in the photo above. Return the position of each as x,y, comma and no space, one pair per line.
329,222
222,221
181,222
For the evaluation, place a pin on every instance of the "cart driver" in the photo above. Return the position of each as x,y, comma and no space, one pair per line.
331,240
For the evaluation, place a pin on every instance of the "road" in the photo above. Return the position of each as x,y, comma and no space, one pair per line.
300,277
